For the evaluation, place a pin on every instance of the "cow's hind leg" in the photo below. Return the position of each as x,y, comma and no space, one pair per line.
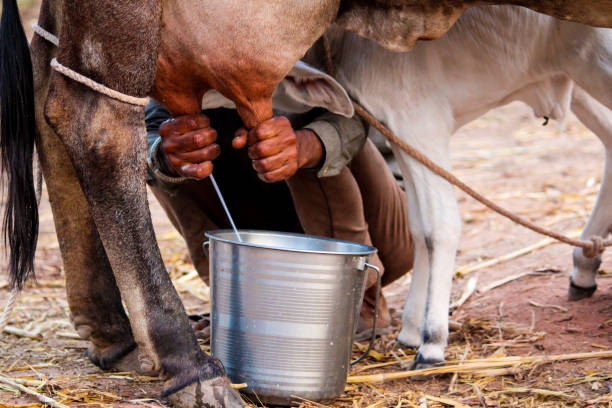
93,297
435,227
106,142
598,119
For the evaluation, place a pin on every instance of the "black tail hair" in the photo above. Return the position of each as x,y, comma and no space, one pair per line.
17,137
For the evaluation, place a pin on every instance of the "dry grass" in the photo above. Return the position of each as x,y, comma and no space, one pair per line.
478,371
492,361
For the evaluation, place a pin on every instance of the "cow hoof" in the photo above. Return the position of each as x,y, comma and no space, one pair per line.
132,363
215,393
577,293
109,357
201,326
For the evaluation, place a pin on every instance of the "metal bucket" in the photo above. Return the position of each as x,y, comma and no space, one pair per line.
284,311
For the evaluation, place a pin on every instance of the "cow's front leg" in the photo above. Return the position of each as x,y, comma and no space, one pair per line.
106,142
435,226
598,119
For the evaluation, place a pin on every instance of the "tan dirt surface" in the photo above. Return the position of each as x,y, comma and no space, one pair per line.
549,174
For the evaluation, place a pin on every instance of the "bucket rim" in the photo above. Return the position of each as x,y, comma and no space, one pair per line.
365,250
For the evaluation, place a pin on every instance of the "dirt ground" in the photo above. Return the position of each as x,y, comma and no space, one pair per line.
549,174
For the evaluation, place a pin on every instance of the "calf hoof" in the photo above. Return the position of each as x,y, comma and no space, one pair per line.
577,293
409,339
420,363
215,393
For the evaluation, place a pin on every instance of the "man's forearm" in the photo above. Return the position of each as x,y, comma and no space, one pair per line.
157,169
311,152
342,139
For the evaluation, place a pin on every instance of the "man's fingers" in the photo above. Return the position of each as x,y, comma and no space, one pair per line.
189,141
197,171
240,138
269,129
280,174
208,153
202,121
183,124
275,162
270,147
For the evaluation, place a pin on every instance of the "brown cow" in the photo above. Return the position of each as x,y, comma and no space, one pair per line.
92,147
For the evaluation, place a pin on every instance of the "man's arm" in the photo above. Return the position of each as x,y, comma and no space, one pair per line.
183,148
342,139
157,173
178,148
328,143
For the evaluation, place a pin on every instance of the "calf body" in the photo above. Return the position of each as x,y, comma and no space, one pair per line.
492,56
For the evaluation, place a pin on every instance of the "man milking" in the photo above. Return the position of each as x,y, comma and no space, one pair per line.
337,184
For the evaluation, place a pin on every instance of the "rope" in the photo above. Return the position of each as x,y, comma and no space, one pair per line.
45,34
88,82
591,248
96,86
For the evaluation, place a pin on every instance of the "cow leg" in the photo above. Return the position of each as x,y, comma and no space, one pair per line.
93,298
435,226
598,119
106,142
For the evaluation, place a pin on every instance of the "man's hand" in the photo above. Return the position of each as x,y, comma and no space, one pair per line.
187,145
277,150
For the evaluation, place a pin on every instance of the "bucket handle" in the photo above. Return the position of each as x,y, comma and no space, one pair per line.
205,246
376,302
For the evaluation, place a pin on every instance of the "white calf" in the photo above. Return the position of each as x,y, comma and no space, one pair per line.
492,56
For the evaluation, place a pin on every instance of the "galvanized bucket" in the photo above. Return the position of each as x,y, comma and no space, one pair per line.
284,311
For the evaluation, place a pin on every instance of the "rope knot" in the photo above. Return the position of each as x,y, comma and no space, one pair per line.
597,247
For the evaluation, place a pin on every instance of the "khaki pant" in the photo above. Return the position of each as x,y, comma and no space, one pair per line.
363,203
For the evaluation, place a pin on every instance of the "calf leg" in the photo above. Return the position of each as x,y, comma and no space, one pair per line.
590,63
435,227
598,119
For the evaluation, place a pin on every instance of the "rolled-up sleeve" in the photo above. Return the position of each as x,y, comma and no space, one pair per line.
155,115
342,139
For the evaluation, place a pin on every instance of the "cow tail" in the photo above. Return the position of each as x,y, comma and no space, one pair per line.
17,138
